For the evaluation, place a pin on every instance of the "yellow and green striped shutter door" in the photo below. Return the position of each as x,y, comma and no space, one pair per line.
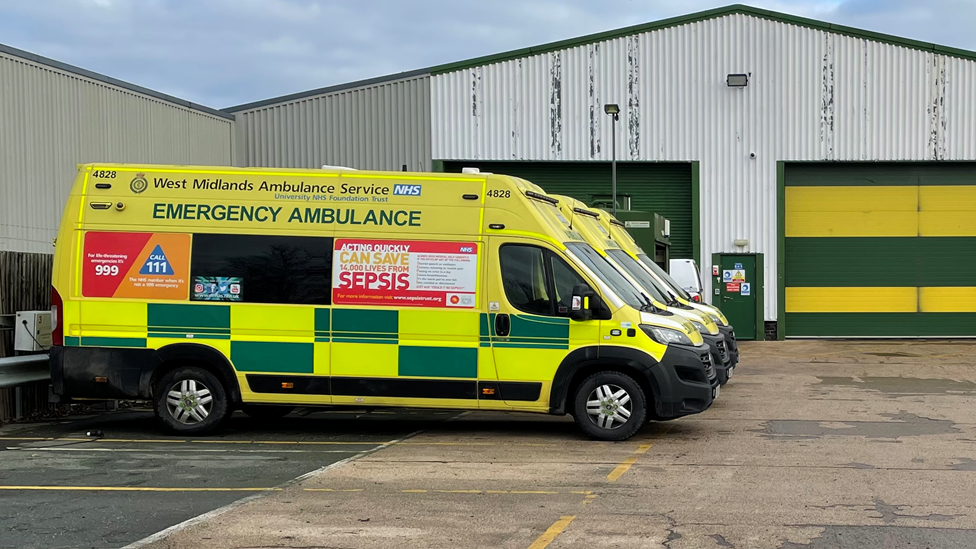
880,249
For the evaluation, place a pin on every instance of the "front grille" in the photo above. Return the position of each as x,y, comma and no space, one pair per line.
723,352
706,359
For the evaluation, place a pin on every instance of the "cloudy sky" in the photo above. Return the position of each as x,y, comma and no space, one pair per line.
226,52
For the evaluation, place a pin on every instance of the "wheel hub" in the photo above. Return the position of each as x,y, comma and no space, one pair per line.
189,401
609,406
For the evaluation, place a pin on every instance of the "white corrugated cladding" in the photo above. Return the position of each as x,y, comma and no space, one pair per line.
52,119
380,126
812,95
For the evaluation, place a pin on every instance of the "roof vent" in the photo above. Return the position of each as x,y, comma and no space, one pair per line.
470,170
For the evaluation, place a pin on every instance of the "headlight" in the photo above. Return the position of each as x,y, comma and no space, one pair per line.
665,336
717,319
702,328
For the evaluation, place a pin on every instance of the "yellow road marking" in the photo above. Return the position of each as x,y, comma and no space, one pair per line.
557,528
298,442
137,489
201,441
627,463
588,494
643,448
508,492
288,442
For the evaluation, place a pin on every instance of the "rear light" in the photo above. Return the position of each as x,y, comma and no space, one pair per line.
57,320
696,298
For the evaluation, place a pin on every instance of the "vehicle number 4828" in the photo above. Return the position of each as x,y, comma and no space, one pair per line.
498,193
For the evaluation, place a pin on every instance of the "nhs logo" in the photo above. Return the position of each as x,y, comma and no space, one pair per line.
406,190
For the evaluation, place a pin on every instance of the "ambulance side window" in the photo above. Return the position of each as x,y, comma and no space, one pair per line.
261,269
524,279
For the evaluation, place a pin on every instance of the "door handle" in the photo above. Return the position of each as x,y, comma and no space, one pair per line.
502,325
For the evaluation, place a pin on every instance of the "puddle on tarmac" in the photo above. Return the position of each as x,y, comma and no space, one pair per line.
903,424
902,386
889,536
965,464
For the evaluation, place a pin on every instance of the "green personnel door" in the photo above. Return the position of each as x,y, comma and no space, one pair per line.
739,293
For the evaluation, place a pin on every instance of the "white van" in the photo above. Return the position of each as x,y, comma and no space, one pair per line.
685,272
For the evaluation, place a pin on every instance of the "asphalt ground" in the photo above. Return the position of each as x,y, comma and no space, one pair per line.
821,444
62,488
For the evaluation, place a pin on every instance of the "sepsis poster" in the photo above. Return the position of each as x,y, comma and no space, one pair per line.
404,273
135,265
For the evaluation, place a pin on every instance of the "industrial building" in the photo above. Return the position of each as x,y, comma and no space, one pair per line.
835,167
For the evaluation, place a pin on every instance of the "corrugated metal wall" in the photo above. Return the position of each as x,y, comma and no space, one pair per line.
51,120
380,126
812,95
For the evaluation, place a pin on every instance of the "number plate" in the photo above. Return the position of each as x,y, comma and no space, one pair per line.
716,391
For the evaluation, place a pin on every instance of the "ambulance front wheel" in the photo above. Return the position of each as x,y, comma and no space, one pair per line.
190,401
610,406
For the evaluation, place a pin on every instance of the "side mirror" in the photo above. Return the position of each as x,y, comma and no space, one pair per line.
585,301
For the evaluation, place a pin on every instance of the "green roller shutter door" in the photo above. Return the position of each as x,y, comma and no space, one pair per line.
875,250
661,188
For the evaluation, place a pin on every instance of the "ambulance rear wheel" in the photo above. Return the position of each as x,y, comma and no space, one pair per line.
609,406
190,401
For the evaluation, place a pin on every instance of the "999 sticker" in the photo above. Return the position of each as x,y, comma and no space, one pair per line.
135,265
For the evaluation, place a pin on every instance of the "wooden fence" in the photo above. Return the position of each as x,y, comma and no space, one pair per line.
25,285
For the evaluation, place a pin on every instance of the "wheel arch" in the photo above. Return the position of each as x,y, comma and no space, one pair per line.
583,362
193,354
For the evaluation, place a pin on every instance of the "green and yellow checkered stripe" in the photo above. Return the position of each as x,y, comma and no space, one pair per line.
295,339
895,258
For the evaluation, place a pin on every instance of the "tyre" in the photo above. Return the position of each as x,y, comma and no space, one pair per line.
190,401
609,406
259,411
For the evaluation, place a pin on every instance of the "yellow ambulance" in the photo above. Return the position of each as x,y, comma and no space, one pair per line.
208,289
618,232
587,223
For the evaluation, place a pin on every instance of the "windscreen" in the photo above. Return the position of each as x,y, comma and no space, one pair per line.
650,286
656,269
626,291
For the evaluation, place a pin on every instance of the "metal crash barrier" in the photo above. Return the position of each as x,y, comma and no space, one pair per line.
17,371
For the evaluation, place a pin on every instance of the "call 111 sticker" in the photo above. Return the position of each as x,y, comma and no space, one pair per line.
136,265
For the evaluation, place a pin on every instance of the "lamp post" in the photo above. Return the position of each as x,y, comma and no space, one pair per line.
613,110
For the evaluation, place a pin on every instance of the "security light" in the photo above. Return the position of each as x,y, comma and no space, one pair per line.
612,109
737,80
